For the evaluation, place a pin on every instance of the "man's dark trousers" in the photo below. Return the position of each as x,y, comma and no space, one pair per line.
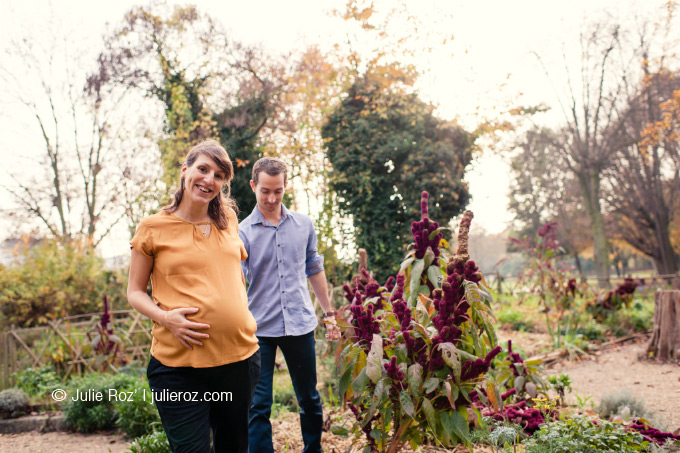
300,356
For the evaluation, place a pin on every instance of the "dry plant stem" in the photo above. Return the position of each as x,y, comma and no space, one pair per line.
464,234
363,259
397,441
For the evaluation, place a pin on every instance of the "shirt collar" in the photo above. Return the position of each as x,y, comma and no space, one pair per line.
257,217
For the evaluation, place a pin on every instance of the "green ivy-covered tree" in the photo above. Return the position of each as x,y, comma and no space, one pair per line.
386,146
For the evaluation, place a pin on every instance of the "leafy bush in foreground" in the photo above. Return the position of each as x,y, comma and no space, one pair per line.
139,416
156,442
584,435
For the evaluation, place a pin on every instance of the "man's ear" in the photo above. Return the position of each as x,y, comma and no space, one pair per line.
252,185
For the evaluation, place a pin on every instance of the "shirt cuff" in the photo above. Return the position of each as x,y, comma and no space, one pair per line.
314,267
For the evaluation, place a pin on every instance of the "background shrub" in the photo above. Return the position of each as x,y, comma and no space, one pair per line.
38,382
89,416
515,320
614,402
638,318
13,403
55,279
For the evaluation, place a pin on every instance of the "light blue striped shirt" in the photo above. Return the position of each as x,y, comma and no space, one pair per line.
280,259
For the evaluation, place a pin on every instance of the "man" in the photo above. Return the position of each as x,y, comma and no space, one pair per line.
282,255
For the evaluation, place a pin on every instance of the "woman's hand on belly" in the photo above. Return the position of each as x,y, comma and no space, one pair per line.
183,329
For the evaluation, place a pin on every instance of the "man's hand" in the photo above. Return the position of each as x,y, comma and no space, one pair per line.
332,330
182,328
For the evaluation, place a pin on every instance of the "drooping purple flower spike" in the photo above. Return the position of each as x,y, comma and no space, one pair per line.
422,230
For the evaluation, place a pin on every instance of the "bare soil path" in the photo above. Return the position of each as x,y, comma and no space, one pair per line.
620,367
63,442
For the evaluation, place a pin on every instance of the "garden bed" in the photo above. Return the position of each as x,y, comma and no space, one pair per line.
614,368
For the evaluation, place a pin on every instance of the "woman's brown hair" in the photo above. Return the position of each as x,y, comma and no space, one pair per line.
217,209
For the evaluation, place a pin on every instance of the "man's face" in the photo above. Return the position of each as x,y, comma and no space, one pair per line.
269,192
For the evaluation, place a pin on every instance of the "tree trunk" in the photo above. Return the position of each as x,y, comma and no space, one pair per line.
577,260
667,260
590,184
665,342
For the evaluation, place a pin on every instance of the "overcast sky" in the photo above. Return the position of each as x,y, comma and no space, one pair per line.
489,59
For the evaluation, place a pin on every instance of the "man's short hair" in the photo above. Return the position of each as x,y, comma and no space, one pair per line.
272,166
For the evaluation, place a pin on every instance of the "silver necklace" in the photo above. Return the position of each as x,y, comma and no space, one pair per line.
205,229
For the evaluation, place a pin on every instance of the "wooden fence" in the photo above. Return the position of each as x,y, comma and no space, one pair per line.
508,284
64,344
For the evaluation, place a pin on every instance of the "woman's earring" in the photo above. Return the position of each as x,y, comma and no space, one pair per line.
182,183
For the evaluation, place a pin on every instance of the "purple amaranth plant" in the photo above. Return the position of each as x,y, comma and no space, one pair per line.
368,286
104,343
515,360
652,434
547,236
385,361
472,370
368,426
358,283
423,230
365,324
613,300
399,307
571,287
449,301
416,347
397,377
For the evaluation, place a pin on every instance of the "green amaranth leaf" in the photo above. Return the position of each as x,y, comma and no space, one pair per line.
456,425
431,384
414,283
429,257
430,415
415,377
406,403
434,275
360,382
374,366
451,358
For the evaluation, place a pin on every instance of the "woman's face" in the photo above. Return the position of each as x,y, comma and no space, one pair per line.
203,180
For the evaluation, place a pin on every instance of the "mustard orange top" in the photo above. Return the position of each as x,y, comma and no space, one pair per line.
192,270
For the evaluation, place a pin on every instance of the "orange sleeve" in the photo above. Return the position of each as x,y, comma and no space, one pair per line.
142,241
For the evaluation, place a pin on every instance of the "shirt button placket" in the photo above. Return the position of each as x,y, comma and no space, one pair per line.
280,271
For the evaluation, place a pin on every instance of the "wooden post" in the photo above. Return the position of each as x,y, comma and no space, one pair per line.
665,341
12,354
4,361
